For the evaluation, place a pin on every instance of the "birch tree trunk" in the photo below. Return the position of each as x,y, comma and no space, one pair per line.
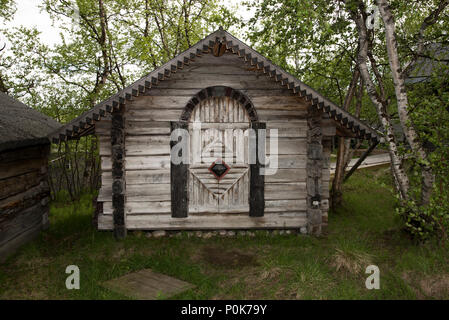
340,167
401,179
349,152
402,100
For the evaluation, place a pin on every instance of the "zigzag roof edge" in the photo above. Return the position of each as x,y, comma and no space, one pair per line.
152,78
55,136
303,86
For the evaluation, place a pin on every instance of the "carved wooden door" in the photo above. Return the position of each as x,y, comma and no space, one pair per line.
218,178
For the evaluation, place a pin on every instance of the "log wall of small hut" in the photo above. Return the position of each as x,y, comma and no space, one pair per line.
24,196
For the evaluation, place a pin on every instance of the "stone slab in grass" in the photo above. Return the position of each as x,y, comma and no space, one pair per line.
147,285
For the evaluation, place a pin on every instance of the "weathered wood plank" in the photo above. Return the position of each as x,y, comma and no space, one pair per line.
283,132
289,220
148,207
158,102
144,191
154,115
8,170
277,115
147,162
184,80
286,205
9,247
292,161
189,92
18,184
105,193
289,146
287,175
104,147
35,152
21,201
146,147
106,163
285,191
20,223
147,177
291,103
148,139
135,190
147,128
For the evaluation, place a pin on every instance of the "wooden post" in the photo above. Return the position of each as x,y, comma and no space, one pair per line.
118,171
257,181
178,180
361,159
314,170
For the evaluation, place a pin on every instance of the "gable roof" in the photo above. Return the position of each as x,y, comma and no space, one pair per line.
215,41
22,126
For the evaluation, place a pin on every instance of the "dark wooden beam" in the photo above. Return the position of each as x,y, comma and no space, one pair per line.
118,172
178,180
257,180
361,159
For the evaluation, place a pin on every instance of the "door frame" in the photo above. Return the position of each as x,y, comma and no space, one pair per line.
179,172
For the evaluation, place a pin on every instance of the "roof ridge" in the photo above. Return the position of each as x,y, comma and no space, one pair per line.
203,46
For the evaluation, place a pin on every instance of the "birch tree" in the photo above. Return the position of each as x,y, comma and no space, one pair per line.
402,99
420,213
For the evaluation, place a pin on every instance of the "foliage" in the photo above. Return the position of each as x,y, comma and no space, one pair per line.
317,41
74,168
430,114
105,45
7,9
313,40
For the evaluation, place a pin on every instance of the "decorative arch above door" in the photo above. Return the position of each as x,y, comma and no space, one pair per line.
220,91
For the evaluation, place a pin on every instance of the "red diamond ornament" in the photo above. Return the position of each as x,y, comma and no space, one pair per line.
219,169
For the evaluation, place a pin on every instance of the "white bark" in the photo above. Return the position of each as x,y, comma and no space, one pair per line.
402,99
401,179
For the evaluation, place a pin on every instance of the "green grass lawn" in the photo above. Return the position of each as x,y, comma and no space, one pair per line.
364,231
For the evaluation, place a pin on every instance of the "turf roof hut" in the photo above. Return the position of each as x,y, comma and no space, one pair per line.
24,192
225,87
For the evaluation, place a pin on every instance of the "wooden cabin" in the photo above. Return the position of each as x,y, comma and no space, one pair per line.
216,90
24,192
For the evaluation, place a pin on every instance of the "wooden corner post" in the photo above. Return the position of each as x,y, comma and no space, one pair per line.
118,171
178,178
257,180
314,170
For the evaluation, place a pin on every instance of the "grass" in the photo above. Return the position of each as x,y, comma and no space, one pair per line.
364,231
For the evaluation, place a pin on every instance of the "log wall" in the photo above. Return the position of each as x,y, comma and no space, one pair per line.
24,196
147,149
